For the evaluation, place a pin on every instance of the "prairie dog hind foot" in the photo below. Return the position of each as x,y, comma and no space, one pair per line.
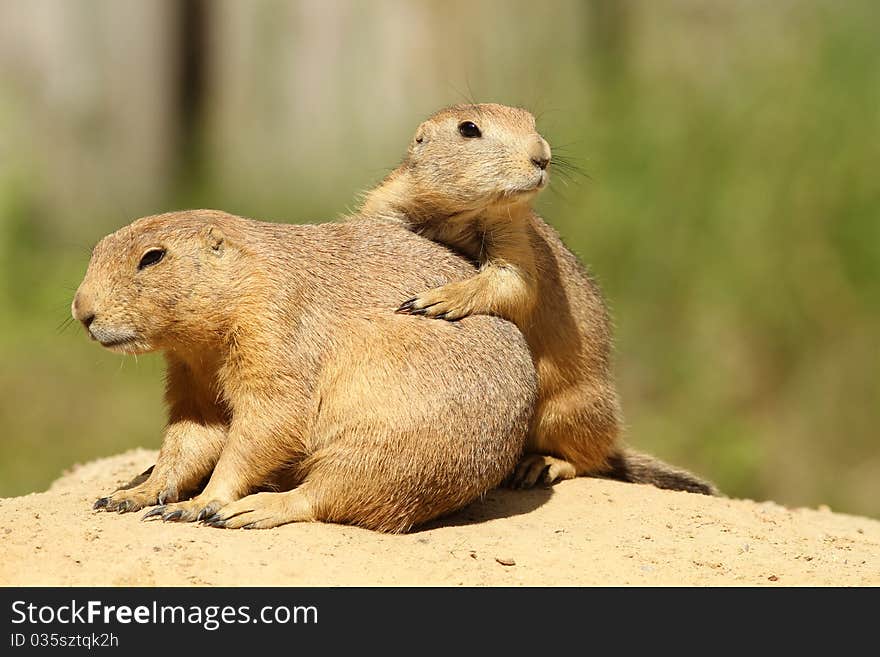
539,468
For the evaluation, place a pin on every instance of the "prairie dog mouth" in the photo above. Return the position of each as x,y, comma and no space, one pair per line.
121,341
537,183
127,346
118,342
531,188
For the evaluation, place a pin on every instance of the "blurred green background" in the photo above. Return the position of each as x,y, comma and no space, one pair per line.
731,207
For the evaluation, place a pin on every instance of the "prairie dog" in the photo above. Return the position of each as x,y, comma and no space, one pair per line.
288,368
467,181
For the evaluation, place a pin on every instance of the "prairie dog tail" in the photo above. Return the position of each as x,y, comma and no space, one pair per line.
627,465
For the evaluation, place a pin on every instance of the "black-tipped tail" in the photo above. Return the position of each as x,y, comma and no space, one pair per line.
626,465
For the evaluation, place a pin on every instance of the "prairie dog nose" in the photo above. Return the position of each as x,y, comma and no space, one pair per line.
82,309
540,153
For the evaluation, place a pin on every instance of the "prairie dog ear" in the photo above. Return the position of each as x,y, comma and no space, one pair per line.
423,135
216,238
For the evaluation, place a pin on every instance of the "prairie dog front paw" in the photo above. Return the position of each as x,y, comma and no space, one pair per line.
450,302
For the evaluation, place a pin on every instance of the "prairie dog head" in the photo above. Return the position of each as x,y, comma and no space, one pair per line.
154,284
477,156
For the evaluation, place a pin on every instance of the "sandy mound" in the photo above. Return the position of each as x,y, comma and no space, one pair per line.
585,531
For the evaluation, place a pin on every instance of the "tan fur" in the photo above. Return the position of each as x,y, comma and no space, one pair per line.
474,195
289,369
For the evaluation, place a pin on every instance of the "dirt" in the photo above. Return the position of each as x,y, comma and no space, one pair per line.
580,532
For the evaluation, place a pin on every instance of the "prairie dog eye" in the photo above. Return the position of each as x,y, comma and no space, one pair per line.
151,257
469,130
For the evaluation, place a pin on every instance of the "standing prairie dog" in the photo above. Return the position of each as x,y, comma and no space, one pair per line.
288,368
468,181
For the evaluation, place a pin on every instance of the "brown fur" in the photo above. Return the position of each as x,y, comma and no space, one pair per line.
474,194
287,367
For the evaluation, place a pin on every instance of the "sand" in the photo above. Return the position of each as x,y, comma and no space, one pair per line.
580,532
